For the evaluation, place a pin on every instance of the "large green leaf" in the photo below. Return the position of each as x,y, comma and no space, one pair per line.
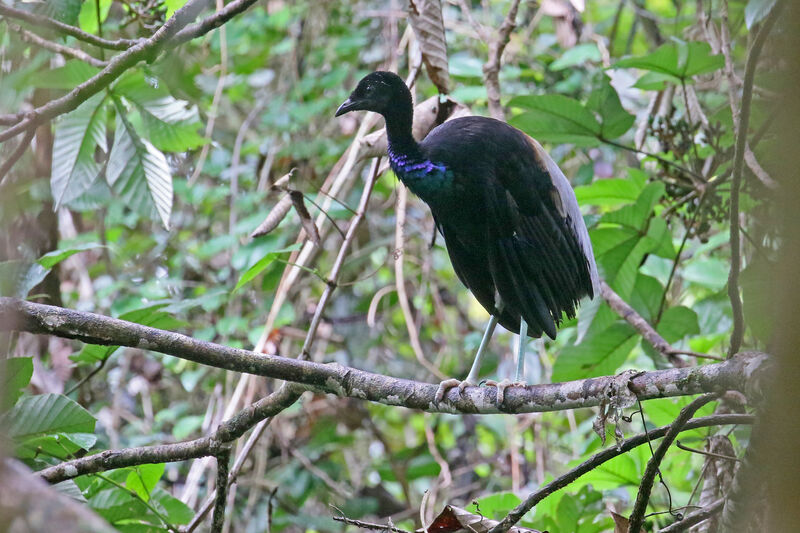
65,11
614,120
678,59
575,56
143,479
636,216
15,374
557,119
78,135
139,172
609,192
599,354
74,72
88,15
46,414
169,124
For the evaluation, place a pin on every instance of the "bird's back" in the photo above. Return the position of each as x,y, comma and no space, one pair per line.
510,221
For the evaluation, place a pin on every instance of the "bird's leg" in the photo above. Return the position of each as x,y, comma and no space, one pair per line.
520,372
472,378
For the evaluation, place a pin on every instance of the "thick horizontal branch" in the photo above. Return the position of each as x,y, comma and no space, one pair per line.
733,374
606,455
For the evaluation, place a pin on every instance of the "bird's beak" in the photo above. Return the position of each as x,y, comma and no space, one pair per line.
347,105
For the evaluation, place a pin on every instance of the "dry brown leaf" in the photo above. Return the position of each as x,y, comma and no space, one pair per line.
457,520
299,202
275,216
426,20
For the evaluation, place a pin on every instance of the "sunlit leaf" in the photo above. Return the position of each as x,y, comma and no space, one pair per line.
678,59
51,259
15,374
556,118
139,172
599,354
259,267
78,135
143,479
46,414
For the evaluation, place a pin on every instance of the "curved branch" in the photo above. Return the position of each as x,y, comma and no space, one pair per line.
66,29
733,374
606,455
650,472
213,444
738,163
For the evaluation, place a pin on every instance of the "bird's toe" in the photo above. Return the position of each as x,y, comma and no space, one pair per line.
445,386
502,386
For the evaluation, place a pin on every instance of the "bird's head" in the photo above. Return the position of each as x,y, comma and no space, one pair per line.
381,92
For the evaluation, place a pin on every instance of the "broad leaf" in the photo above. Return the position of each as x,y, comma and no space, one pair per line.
74,72
678,59
78,135
88,15
65,11
677,322
557,119
15,374
139,172
259,267
46,414
614,120
177,512
577,56
143,479
51,259
636,216
600,354
608,193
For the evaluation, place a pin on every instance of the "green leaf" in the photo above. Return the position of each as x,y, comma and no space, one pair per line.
756,11
51,259
495,506
608,193
186,426
88,15
177,511
78,135
93,353
575,56
265,261
15,374
636,216
678,322
556,118
46,414
143,479
65,11
139,172
678,59
614,120
646,296
74,72
600,354
707,272
115,504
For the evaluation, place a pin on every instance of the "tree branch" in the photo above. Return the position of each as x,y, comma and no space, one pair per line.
738,162
66,29
228,431
218,520
645,487
694,518
733,374
641,325
32,38
144,49
606,455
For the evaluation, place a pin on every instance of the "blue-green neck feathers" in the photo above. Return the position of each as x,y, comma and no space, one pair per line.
424,177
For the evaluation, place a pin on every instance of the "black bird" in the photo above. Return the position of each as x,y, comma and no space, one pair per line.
508,215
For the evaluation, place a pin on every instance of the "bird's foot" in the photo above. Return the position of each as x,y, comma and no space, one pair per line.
448,384
502,386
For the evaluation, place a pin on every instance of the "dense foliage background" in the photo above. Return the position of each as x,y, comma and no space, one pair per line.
140,204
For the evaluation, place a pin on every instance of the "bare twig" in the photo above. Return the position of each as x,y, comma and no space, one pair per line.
368,525
337,264
497,44
32,38
218,520
703,452
46,22
606,455
694,518
733,374
652,469
641,325
738,159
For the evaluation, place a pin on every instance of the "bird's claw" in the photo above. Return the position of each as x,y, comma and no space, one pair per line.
448,384
502,386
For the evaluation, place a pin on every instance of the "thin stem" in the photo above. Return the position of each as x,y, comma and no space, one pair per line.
218,520
135,494
738,162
